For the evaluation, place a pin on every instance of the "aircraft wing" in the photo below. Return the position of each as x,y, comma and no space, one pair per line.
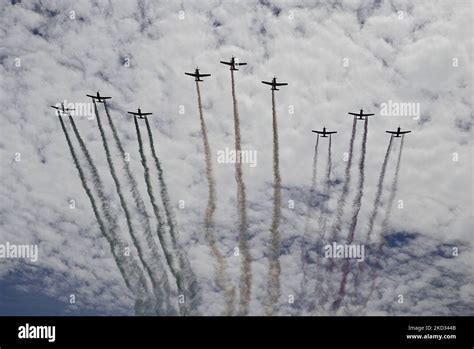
241,63
191,74
403,132
54,107
91,96
320,132
105,97
268,83
367,114
228,63
281,83
133,113
204,75
355,114
145,114
392,132
331,132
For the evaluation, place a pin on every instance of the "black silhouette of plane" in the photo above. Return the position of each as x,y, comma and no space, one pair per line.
139,114
324,133
233,63
197,75
274,84
62,109
361,115
397,133
100,99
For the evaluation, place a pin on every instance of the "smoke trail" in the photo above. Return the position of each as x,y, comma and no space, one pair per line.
391,199
345,189
246,271
112,220
221,278
378,194
135,281
306,227
153,265
185,277
274,268
356,204
323,213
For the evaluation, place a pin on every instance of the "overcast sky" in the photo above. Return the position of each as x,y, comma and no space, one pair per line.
337,56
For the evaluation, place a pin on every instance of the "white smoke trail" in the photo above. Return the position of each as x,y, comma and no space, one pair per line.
222,280
130,271
274,270
153,264
182,270
246,267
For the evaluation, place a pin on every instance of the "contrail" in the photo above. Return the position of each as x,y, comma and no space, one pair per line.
185,277
130,271
221,278
246,268
345,189
153,265
357,205
306,227
378,194
274,268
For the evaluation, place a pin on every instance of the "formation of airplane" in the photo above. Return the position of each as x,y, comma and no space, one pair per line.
233,63
274,84
361,115
197,75
324,133
62,109
139,114
397,133
98,97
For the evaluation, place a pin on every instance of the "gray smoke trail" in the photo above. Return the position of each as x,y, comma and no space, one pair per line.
391,199
153,265
246,271
345,189
323,213
378,194
356,204
111,219
306,227
274,268
221,274
135,281
185,277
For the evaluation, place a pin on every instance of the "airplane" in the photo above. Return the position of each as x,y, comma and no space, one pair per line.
62,110
139,114
233,63
397,133
324,133
361,115
197,75
274,84
99,98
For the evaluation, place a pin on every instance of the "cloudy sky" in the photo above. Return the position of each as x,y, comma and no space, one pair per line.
337,56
